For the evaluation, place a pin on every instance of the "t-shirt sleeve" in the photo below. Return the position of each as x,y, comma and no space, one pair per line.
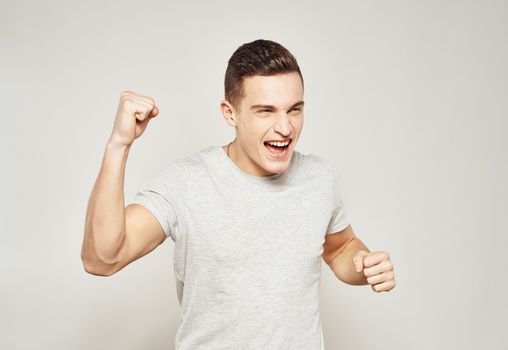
160,196
339,219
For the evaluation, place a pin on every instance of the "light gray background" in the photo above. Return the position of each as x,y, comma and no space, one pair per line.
407,99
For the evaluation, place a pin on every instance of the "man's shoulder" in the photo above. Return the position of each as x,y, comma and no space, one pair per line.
313,161
199,159
192,164
177,173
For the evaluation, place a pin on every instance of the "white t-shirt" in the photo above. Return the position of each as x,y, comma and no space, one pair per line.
247,254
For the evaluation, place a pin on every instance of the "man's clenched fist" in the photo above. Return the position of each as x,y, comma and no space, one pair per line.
377,268
133,114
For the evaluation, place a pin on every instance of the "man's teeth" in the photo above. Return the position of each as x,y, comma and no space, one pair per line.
279,144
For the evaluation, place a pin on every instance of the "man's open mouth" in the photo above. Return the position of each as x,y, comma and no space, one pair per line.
278,149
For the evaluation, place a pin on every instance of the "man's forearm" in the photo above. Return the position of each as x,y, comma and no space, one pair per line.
343,266
105,217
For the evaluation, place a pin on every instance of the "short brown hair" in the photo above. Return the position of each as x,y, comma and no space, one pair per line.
259,57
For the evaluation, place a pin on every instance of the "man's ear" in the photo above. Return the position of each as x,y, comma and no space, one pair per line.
229,112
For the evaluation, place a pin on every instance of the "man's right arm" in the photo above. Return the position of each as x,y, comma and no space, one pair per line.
116,235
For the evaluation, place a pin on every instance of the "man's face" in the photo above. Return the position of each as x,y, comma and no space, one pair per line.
272,110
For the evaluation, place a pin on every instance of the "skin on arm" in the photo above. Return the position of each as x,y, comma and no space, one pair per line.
114,235
143,233
338,252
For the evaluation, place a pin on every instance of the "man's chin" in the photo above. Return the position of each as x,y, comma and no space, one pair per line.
277,166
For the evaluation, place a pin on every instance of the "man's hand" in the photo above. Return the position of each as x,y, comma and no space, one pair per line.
377,268
134,112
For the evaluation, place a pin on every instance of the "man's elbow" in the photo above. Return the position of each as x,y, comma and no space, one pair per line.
95,267
98,272
98,262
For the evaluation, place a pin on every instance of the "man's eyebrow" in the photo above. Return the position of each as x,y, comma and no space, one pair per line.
297,104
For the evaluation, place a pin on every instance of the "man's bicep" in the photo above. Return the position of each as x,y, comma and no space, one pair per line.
143,233
336,242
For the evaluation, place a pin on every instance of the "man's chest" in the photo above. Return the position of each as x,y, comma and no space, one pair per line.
280,230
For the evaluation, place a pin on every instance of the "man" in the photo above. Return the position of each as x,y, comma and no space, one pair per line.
250,220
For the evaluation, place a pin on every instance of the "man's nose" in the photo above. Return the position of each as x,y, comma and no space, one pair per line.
282,125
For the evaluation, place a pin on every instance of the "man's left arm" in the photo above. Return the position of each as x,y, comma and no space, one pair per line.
353,263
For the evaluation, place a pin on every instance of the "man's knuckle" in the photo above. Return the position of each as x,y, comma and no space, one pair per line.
125,98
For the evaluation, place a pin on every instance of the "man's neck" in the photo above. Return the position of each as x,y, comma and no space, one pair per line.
246,166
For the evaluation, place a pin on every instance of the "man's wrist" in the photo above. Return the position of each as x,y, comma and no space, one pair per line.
111,145
343,265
